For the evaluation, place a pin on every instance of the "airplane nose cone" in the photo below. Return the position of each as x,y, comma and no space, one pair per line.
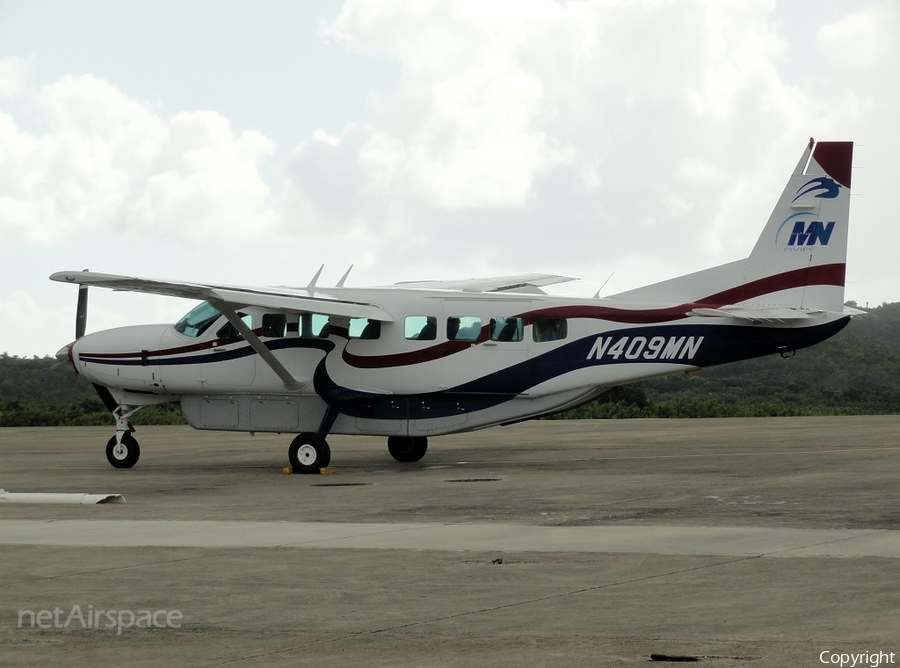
64,354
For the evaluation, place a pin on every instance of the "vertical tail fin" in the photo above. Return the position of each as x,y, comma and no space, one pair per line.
801,256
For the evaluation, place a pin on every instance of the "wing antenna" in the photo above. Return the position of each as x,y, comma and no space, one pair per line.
597,294
340,283
312,283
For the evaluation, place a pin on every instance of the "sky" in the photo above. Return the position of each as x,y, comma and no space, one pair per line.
619,142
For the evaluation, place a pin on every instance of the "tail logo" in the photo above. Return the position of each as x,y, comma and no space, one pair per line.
826,187
815,232
806,233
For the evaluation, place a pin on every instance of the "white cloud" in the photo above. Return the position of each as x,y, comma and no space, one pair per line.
464,127
12,74
667,113
106,162
862,50
862,39
205,181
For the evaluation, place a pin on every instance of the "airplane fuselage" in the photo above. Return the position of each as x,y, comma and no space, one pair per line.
450,361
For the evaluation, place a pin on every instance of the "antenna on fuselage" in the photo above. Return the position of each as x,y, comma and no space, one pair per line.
340,283
597,294
312,283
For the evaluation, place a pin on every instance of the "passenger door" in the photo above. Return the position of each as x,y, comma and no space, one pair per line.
494,362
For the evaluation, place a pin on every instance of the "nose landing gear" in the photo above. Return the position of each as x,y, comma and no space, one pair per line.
125,453
122,450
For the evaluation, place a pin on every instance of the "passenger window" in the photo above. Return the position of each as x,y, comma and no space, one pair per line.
314,326
229,331
463,328
549,329
363,328
274,324
507,329
421,327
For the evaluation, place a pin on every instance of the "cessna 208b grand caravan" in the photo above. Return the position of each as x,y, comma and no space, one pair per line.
422,359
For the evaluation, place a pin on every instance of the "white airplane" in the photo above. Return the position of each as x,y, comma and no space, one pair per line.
422,359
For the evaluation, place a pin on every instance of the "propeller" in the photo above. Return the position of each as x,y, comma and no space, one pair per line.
81,311
80,326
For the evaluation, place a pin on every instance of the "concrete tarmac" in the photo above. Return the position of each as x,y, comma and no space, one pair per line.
770,542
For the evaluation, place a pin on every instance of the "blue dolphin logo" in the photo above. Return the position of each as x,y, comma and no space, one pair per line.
829,188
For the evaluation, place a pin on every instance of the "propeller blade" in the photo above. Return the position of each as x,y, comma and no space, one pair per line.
46,372
81,312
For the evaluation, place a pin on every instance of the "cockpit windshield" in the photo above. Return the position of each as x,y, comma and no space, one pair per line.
198,320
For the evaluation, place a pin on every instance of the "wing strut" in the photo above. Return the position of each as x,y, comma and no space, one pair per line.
291,384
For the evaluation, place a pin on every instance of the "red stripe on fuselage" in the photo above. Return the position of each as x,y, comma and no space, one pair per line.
829,274
192,348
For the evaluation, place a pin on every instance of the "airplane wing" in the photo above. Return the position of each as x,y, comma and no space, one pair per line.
494,284
288,300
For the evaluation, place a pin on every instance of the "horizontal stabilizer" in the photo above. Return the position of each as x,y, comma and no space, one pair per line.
761,314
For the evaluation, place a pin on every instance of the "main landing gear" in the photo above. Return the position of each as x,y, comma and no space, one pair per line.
407,448
309,452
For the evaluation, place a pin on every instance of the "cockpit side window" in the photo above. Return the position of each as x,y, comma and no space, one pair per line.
198,320
229,331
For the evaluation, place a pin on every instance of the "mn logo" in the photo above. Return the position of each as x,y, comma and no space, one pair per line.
808,234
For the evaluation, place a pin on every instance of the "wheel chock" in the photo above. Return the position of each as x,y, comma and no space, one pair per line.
288,470
327,470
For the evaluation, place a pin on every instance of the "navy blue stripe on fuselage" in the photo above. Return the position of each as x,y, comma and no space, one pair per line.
707,345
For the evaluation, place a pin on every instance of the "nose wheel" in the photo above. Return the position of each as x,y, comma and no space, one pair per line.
124,454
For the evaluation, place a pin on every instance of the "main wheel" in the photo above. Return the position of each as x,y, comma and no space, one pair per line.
308,453
123,455
407,448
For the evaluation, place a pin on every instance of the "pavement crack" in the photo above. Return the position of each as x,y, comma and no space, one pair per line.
572,592
842,539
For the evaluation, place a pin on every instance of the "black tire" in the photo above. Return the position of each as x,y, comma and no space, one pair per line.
407,448
123,456
308,453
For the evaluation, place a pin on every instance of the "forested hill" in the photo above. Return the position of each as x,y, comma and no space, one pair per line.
857,372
